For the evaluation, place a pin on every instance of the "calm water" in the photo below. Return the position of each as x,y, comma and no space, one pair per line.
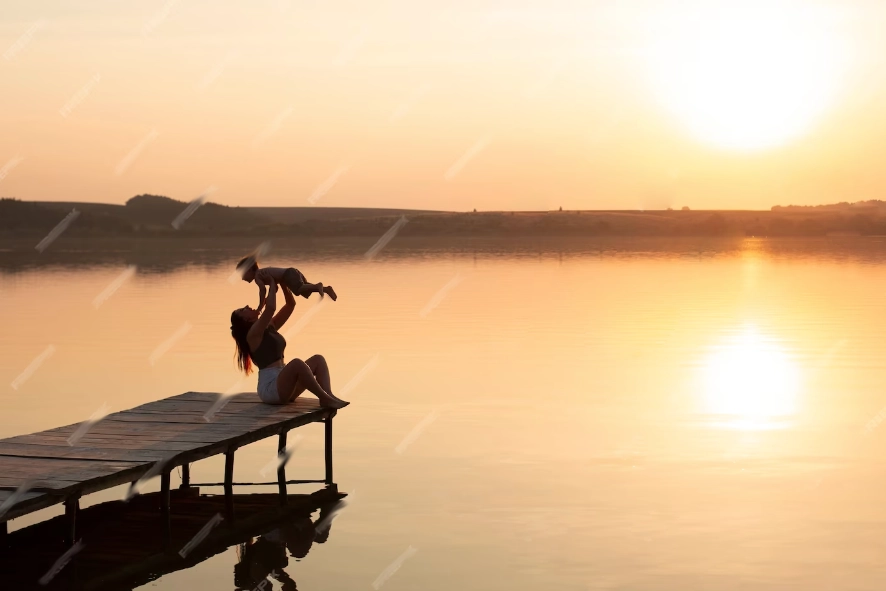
665,416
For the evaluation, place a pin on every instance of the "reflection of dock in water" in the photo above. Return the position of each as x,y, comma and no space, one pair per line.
121,547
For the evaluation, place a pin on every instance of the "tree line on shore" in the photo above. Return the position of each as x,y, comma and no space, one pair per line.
152,216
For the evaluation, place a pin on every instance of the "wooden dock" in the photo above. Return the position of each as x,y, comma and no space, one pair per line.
63,464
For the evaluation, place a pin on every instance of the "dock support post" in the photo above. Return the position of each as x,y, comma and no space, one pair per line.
229,484
164,508
328,446
72,507
186,476
281,470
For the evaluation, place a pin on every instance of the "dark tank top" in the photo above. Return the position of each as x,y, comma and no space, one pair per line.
270,349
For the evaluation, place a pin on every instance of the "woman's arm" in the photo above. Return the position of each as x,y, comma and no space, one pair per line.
286,311
260,282
261,296
257,332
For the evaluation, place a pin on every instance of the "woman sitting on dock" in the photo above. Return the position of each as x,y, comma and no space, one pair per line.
259,343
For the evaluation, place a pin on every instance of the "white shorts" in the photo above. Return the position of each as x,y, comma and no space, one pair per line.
267,385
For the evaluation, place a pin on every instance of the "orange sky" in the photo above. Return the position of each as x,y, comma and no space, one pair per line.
445,105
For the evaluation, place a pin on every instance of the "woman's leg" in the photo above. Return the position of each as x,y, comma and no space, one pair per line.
297,377
320,368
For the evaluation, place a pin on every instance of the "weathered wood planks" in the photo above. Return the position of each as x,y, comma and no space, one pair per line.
74,460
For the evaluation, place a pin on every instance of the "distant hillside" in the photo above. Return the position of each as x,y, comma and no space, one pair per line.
870,206
143,213
292,215
147,215
151,213
151,216
158,213
27,216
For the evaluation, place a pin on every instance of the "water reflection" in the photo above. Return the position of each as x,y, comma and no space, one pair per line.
603,471
122,547
264,559
170,255
750,381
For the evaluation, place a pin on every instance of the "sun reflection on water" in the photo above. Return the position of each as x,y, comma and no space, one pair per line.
750,382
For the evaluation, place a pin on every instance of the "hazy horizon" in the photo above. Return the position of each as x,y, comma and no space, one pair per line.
321,206
452,106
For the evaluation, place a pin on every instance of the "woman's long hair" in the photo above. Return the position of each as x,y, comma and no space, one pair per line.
239,329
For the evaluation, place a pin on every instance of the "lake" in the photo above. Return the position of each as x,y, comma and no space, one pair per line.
640,414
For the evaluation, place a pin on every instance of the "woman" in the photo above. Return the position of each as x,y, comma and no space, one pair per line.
259,343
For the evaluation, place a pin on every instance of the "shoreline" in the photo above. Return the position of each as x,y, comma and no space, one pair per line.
210,252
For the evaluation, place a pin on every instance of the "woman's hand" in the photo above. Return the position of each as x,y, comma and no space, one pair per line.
271,300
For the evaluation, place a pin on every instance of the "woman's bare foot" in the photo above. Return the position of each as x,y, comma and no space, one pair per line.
336,403
322,291
330,292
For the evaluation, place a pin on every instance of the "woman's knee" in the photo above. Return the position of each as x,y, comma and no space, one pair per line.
298,366
316,359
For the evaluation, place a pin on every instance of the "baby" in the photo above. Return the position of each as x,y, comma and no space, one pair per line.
291,278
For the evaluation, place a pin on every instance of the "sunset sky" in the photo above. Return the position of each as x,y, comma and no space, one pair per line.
445,105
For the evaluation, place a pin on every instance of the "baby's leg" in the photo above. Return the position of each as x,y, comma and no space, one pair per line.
300,286
296,282
307,289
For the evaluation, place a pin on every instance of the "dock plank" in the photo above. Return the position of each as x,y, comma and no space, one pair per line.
17,470
139,440
87,453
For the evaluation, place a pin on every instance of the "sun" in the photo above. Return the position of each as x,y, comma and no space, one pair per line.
750,380
747,75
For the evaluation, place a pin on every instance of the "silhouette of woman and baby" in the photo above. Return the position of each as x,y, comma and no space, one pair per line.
262,559
259,343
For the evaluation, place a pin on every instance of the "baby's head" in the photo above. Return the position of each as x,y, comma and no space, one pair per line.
247,267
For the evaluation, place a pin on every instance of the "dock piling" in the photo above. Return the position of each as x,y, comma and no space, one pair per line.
164,507
229,483
72,506
328,446
281,470
186,476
